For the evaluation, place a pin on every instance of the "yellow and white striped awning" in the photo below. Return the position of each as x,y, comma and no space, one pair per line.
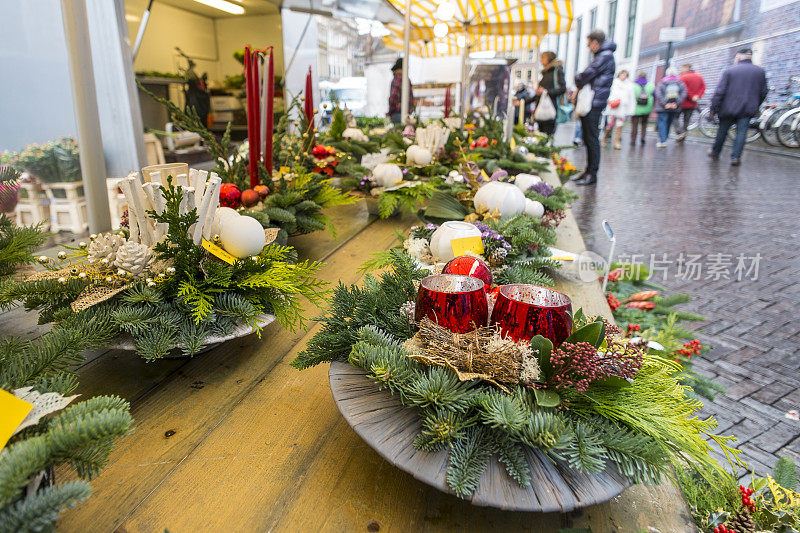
496,25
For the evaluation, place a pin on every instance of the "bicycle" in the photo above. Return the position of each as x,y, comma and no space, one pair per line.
776,120
709,124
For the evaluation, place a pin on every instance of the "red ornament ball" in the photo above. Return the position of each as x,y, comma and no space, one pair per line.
229,195
466,265
262,190
250,198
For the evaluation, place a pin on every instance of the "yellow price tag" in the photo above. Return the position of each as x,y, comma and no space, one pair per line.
485,176
466,244
513,143
12,412
218,252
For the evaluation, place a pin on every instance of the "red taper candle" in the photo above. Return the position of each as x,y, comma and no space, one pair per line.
270,103
255,141
447,103
251,117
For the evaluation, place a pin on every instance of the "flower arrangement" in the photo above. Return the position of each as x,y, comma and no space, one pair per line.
611,406
55,161
564,168
165,290
325,159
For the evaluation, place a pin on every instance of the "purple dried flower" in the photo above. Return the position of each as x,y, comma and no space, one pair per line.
543,188
499,174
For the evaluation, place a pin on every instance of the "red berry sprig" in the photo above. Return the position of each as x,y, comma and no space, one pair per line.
633,328
746,501
613,303
722,529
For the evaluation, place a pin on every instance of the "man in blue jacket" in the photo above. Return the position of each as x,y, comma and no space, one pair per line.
737,99
599,75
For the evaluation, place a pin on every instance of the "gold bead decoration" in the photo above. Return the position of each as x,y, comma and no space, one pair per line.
93,236
254,258
82,275
43,259
82,245
109,279
104,261
170,270
216,239
73,271
122,273
151,284
61,255
62,280
148,281
316,111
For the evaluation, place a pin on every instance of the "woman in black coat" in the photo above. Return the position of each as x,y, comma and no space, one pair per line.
552,82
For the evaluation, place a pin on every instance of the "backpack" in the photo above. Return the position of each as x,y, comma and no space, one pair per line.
644,97
671,92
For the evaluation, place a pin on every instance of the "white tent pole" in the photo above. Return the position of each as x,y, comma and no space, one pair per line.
87,116
464,78
404,99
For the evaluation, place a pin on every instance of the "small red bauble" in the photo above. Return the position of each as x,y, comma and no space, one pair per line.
250,198
466,265
229,195
262,190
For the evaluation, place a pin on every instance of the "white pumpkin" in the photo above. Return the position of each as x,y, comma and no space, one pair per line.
417,155
526,181
220,216
242,236
504,197
387,174
534,208
441,246
355,134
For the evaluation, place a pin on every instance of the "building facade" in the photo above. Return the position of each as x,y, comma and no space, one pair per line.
716,30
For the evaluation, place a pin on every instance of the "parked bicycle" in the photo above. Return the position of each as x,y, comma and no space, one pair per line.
709,124
778,123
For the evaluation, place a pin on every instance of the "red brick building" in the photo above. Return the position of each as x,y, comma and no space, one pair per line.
716,29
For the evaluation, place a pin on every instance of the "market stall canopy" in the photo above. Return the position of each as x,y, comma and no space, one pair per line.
497,25
379,10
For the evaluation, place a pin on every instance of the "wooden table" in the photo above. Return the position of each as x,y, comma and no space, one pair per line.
256,445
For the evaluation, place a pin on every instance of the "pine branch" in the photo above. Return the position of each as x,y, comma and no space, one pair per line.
467,461
40,511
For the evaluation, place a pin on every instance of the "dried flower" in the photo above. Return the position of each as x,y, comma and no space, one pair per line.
578,365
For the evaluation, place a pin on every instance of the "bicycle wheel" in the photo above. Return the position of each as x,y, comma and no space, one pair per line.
708,126
796,128
784,129
768,132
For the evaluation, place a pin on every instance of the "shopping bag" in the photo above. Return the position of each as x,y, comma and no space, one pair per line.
583,104
563,111
545,110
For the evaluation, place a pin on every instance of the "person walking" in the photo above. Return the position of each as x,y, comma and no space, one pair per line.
695,88
620,107
643,98
521,96
670,93
396,92
737,98
599,75
552,84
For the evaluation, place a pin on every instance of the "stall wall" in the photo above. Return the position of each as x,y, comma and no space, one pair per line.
235,32
35,96
170,27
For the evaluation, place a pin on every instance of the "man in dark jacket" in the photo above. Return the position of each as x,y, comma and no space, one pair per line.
599,74
736,100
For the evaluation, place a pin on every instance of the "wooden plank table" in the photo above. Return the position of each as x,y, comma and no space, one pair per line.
256,445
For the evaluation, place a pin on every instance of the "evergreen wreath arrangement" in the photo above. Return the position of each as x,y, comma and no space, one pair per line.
166,286
595,401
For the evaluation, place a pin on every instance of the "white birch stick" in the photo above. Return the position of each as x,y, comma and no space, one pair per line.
199,184
207,209
133,219
155,177
134,186
181,180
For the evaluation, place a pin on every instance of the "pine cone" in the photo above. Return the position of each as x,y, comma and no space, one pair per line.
498,257
133,258
742,522
105,246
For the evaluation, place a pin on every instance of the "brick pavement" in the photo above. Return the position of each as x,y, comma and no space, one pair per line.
675,200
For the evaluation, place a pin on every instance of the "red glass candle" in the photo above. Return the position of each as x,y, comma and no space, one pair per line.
470,266
524,311
455,302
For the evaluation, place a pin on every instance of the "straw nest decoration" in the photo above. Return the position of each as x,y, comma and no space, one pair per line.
479,354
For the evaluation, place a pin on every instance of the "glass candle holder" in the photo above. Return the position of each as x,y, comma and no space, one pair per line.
455,302
524,311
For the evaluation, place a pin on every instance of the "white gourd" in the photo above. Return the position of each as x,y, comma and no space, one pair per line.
417,155
526,181
504,197
387,174
355,134
534,208
242,236
220,216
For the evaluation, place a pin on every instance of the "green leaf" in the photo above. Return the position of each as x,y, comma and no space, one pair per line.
785,473
543,348
591,333
547,398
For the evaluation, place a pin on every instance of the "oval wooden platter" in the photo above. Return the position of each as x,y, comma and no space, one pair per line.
390,428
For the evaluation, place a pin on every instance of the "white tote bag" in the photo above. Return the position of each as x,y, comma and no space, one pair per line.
545,110
583,104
